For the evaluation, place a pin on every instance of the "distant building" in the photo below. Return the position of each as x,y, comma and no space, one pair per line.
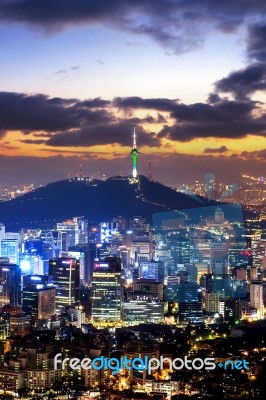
213,303
232,310
20,325
256,298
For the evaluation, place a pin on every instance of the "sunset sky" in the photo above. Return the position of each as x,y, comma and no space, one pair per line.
76,75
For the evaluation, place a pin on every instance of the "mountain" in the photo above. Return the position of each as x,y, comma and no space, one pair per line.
96,200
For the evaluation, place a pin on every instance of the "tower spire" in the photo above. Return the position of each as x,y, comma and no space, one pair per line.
134,138
134,154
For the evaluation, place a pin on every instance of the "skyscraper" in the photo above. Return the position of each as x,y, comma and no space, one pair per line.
256,298
134,155
65,275
10,284
10,246
38,299
107,292
189,303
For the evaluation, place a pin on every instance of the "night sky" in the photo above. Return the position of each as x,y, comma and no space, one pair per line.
76,75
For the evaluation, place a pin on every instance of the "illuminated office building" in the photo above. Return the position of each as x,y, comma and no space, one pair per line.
65,276
232,309
4,326
143,308
189,298
107,292
149,286
196,271
151,270
38,298
212,303
256,298
10,247
72,232
2,231
10,284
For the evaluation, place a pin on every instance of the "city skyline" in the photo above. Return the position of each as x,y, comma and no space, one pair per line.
76,78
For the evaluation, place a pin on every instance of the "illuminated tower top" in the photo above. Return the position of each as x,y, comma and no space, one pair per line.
134,155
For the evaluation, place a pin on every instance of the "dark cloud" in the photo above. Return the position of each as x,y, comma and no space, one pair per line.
179,25
2,133
71,122
256,42
36,112
7,146
102,134
33,141
244,82
219,117
258,154
42,134
160,104
226,119
222,149
94,103
39,112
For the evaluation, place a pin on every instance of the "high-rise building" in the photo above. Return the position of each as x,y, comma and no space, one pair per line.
196,271
38,298
107,292
143,307
46,303
189,303
2,231
151,270
256,298
10,246
232,309
65,276
10,283
212,303
72,232
149,286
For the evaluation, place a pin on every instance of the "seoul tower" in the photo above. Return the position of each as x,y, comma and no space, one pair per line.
134,155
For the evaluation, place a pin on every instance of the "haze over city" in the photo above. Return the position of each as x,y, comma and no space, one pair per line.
77,75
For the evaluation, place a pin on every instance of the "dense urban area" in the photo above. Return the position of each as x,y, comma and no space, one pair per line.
164,297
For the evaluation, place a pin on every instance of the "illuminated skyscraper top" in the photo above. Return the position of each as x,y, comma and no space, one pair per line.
134,155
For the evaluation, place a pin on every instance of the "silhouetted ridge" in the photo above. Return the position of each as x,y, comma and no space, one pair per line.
97,200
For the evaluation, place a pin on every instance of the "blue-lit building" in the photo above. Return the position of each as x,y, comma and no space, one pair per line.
152,270
10,284
38,298
10,247
189,298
